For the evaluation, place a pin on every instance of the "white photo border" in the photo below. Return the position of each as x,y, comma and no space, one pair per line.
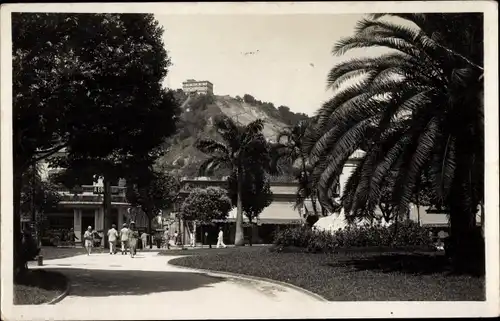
398,309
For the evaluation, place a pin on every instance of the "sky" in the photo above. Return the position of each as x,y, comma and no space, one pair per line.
291,65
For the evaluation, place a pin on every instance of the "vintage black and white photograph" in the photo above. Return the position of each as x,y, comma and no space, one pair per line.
178,164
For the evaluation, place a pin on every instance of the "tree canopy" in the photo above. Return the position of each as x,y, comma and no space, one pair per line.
76,80
420,106
153,192
92,84
206,204
256,193
38,194
241,149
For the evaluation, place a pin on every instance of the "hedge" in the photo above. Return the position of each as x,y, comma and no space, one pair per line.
407,234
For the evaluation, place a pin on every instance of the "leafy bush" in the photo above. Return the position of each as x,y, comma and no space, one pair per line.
407,233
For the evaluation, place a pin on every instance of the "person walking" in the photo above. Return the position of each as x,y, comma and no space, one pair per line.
133,236
88,239
176,236
144,239
220,239
124,236
112,237
166,237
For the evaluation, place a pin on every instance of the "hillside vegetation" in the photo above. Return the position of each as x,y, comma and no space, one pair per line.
198,112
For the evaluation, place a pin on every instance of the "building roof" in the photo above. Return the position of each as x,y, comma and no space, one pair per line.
276,213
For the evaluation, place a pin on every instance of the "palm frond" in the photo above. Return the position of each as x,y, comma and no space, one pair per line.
214,163
326,173
417,159
210,146
252,130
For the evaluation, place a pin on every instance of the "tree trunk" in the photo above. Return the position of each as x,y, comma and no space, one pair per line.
467,244
194,233
482,218
314,205
418,204
250,241
106,210
464,250
18,260
150,233
306,210
306,177
396,218
239,237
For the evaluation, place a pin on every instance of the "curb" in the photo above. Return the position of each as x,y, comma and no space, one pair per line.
254,278
62,295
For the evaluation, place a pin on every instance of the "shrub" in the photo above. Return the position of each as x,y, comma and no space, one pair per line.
406,234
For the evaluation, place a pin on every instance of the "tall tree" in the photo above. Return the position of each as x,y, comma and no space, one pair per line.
241,148
91,83
290,150
38,196
256,195
153,192
421,106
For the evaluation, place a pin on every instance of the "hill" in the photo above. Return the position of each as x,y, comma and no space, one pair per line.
198,112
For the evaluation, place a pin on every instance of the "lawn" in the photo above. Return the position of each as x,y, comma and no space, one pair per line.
399,276
38,287
52,252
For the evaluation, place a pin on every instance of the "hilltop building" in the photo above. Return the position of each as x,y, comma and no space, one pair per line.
200,87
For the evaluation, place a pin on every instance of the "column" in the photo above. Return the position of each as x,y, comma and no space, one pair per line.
77,224
120,217
99,219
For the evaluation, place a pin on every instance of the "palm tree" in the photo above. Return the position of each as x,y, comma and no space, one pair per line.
289,150
243,148
416,108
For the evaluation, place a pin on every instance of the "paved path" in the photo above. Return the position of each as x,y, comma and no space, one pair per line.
148,287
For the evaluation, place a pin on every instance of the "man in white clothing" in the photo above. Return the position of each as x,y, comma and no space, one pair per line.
124,238
220,239
112,238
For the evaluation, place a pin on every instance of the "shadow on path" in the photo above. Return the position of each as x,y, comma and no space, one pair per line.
96,283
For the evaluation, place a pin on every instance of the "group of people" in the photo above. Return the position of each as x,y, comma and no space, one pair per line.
127,236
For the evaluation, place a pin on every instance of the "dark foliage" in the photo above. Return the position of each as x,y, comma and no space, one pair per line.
407,233
420,107
90,83
256,193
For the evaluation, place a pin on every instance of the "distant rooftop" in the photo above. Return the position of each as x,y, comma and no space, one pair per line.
193,80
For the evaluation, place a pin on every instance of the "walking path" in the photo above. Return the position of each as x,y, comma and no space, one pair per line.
148,287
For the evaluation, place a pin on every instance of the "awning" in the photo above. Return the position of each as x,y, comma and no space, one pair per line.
276,213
